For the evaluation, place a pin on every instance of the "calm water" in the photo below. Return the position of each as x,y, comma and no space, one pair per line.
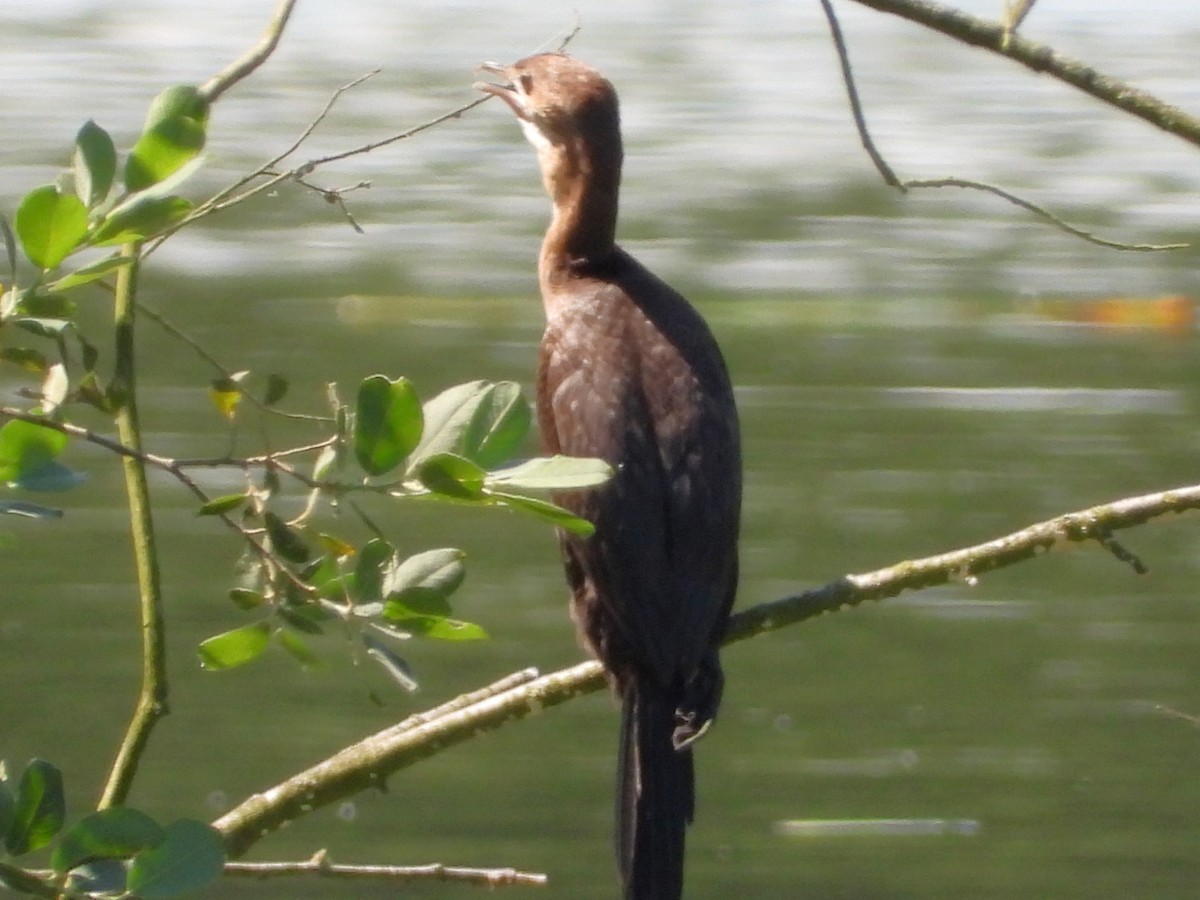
914,375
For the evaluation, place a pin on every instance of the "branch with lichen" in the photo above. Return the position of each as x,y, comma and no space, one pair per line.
1044,60
368,763
1001,38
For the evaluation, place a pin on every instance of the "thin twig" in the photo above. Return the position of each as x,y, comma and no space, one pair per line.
864,134
1039,211
174,331
252,59
890,178
368,763
176,468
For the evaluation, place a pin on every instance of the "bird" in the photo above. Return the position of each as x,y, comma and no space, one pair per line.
629,372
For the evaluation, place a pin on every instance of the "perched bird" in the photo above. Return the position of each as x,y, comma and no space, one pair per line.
629,372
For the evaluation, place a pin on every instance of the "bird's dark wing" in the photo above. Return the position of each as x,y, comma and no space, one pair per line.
646,390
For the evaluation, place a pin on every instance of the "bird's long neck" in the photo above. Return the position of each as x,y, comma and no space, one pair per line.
583,179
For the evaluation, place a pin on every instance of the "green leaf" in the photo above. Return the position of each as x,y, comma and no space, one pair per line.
547,512
245,598
8,808
40,809
452,476
138,218
221,505
422,582
113,833
26,357
41,304
173,135
94,164
387,423
25,448
376,560
285,540
89,273
100,878
28,511
43,327
51,477
552,473
190,857
277,388
442,628
304,617
482,421
234,648
396,666
499,426
10,247
298,648
50,225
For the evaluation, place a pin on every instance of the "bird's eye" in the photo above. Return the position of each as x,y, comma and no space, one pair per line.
526,82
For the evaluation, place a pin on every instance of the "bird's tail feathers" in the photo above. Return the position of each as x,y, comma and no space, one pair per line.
655,797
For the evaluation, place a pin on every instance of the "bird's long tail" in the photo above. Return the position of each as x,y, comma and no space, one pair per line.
655,796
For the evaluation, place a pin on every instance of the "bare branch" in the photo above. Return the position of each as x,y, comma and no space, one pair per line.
321,866
252,59
1039,211
839,42
890,178
368,763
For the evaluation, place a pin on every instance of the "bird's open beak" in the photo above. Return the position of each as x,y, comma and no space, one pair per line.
506,91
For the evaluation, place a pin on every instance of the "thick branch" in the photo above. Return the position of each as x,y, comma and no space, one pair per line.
1041,58
369,762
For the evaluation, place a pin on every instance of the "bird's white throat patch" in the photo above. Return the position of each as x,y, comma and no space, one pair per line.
534,135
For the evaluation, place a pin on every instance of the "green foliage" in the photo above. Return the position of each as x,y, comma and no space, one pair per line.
110,853
387,423
173,136
236,647
94,164
38,811
50,224
440,450
189,857
29,457
108,834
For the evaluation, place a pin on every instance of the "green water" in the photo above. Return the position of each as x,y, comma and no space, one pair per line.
875,431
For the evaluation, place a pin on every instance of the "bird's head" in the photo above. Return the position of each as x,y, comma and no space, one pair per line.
566,108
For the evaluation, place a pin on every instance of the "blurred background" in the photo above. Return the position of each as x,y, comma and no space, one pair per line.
915,374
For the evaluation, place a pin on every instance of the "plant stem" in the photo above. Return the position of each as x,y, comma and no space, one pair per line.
152,698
